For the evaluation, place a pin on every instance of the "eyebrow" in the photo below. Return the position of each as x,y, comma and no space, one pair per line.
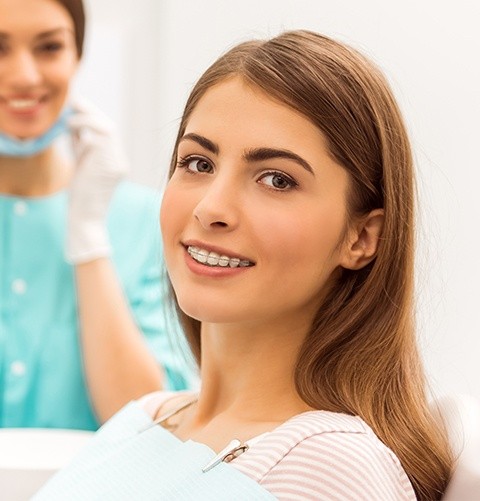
259,154
253,155
202,141
50,33
44,34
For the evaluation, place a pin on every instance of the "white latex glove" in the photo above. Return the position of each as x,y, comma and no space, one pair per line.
100,165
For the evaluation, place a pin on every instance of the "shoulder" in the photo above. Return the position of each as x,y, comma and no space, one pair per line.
132,197
160,402
326,455
134,228
130,189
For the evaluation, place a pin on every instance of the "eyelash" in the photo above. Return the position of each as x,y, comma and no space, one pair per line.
183,162
292,184
50,47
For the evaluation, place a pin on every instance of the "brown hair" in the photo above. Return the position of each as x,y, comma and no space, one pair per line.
76,10
360,356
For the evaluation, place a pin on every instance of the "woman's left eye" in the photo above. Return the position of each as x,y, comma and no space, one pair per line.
278,181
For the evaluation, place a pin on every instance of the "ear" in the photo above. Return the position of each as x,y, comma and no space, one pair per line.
362,242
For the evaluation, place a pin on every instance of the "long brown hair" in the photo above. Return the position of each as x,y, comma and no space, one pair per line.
360,356
76,10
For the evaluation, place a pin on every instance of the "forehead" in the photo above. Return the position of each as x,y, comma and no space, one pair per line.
236,111
33,16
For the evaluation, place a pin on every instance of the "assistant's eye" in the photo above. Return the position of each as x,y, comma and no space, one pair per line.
278,181
3,48
195,165
50,47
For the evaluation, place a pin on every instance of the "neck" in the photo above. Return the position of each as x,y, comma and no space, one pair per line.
249,371
40,175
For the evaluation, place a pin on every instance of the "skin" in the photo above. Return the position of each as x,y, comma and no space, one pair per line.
38,60
288,217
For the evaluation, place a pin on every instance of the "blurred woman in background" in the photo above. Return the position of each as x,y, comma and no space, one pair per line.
81,331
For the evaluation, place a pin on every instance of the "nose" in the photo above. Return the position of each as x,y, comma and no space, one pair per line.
21,70
219,206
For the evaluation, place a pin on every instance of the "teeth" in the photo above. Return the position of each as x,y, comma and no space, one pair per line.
214,259
223,261
202,256
22,103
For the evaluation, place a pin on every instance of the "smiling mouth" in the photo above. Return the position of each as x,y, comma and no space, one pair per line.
20,104
214,259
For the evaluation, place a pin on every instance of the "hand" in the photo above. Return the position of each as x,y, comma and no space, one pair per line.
100,165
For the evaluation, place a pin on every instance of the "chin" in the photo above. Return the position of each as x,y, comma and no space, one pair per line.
28,132
30,126
219,314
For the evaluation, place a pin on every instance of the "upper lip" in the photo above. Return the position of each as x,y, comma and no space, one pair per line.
214,248
23,97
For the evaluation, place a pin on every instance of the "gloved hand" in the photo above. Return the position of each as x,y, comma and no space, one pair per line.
100,165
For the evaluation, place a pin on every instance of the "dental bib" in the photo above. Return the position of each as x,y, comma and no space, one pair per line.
128,458
12,147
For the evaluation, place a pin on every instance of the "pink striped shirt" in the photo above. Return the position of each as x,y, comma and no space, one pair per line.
321,456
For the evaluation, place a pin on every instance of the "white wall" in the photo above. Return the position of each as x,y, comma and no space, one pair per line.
430,52
119,73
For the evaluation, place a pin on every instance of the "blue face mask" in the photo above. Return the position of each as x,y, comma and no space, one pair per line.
11,147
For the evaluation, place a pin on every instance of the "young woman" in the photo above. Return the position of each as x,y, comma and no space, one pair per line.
51,353
288,236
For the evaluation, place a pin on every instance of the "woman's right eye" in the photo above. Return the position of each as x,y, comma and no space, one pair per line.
195,165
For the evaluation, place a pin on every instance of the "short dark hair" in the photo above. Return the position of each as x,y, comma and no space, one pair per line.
76,10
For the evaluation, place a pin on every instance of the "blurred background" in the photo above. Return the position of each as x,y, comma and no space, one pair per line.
143,57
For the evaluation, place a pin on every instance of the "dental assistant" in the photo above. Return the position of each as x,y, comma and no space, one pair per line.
81,327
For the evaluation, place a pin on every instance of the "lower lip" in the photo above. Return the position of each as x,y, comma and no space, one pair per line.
213,271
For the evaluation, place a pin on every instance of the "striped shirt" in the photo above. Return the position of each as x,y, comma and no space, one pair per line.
321,456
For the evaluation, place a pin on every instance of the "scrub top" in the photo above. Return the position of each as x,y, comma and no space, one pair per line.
41,378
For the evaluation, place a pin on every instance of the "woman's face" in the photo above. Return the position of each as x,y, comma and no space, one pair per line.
38,58
254,215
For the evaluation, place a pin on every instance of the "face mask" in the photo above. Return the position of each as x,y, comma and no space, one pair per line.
11,147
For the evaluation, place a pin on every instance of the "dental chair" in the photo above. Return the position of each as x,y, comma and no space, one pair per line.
461,415
30,456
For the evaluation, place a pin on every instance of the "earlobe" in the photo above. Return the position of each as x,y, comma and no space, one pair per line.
362,245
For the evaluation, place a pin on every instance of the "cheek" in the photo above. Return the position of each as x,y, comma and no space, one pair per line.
305,234
63,79
166,213
60,74
173,213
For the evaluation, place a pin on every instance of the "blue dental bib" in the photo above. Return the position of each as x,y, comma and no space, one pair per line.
128,458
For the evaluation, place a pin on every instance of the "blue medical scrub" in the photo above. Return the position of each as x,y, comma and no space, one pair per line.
41,378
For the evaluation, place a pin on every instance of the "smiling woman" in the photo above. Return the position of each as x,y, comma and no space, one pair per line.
76,294
258,183
36,66
287,225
